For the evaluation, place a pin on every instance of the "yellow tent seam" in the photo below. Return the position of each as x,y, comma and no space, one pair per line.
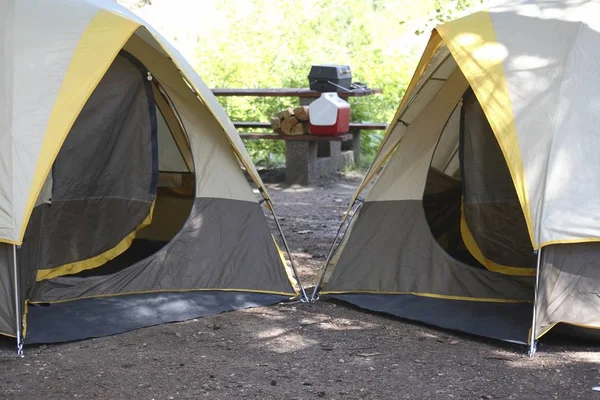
288,271
567,323
485,75
476,252
105,27
25,312
432,295
98,260
100,296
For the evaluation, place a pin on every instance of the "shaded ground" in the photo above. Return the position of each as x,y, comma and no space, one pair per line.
310,218
299,351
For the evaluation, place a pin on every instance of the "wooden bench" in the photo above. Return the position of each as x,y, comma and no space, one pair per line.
300,138
355,129
366,126
308,157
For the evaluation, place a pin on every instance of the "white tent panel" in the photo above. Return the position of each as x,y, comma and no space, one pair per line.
169,156
409,164
38,30
7,11
424,89
447,147
552,74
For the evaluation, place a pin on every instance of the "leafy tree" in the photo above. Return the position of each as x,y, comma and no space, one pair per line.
446,11
273,43
133,4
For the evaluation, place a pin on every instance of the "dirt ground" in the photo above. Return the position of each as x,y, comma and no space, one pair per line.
299,351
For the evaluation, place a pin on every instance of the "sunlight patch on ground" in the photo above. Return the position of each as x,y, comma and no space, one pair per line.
290,189
343,324
265,313
290,343
526,362
346,186
308,272
321,321
270,333
295,203
585,356
297,189
428,335
302,254
549,360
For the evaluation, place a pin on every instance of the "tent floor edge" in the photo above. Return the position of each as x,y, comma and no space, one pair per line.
484,319
104,316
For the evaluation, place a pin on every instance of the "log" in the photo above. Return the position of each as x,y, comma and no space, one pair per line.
287,124
285,113
298,129
306,127
301,113
276,124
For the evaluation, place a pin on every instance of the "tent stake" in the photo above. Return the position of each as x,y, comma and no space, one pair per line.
287,249
532,341
18,316
314,296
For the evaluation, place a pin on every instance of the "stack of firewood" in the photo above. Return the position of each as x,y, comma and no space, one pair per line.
293,121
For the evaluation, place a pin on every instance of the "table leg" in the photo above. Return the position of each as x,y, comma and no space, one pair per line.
356,144
300,162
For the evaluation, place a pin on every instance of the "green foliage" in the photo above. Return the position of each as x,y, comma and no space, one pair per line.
273,43
446,11
133,4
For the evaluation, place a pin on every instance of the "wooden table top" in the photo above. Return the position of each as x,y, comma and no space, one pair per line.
290,92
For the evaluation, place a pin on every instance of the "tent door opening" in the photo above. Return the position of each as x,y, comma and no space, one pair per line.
470,200
122,185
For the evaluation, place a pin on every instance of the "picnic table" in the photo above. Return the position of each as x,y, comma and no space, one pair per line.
308,157
302,93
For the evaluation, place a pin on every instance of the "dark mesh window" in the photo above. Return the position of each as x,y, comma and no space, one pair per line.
484,189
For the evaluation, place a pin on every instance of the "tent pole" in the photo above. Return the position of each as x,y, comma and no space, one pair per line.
532,341
287,249
18,316
314,296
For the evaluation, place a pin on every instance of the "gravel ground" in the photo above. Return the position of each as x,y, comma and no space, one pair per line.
299,351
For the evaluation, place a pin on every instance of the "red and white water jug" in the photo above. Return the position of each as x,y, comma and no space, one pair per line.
329,115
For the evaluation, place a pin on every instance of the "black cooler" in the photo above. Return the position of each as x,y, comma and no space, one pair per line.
330,78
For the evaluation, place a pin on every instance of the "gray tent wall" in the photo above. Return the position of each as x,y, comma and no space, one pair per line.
26,280
103,186
569,288
411,276
7,292
170,157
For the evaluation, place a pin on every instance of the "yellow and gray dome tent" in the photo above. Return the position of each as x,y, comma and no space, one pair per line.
488,174
123,201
